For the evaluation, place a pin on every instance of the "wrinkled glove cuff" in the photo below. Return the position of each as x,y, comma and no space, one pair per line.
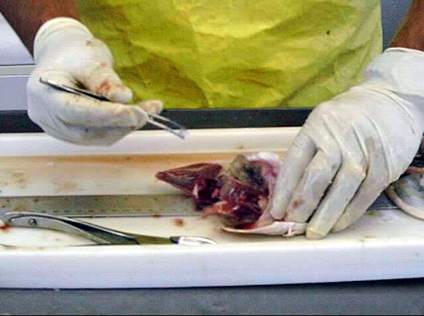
57,27
400,70
398,73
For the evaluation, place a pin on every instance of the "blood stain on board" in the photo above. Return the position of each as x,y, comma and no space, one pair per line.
21,208
179,223
5,228
65,186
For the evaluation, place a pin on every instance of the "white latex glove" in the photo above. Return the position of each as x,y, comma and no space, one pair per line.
352,147
66,52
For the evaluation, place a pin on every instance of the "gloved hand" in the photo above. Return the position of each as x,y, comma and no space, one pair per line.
66,52
352,147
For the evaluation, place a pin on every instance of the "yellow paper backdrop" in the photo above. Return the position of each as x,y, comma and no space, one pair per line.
238,53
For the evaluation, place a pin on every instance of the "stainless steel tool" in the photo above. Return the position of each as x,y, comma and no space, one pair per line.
99,235
103,205
122,205
154,119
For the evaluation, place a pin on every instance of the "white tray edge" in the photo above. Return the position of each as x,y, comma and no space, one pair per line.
155,142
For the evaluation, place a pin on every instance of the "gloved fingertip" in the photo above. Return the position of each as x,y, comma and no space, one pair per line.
116,92
314,235
339,226
276,215
151,106
140,117
276,210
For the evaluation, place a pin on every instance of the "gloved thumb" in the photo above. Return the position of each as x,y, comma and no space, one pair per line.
105,81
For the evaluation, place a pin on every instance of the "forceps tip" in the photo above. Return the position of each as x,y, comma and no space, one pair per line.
173,128
193,241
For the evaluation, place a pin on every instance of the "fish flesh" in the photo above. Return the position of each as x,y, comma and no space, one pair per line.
239,196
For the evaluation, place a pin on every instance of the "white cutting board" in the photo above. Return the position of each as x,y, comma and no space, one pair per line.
383,245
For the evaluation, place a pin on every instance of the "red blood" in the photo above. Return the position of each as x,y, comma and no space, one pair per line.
5,228
298,203
238,204
104,87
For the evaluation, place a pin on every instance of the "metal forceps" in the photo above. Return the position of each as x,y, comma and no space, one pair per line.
154,119
98,234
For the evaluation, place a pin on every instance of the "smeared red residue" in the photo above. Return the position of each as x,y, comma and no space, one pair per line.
157,216
253,226
104,87
179,223
5,228
297,203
